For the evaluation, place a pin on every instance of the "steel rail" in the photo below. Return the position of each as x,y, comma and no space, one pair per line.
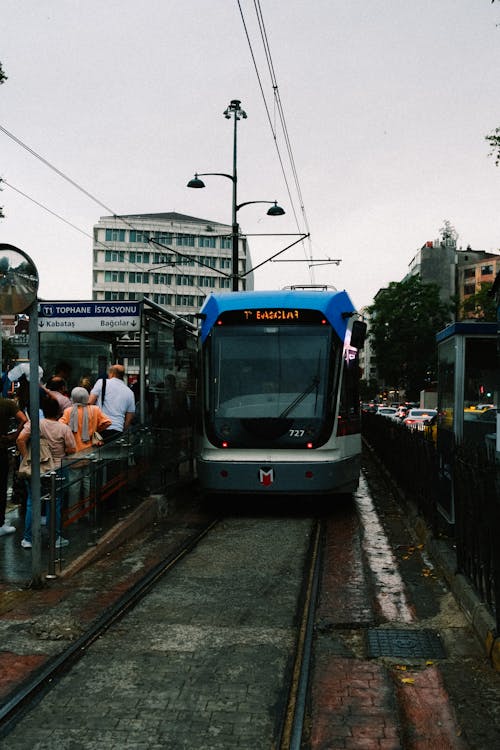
292,730
38,685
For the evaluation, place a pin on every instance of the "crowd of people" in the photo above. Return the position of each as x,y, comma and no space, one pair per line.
69,422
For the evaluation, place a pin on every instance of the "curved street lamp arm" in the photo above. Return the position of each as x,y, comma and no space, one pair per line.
215,174
247,203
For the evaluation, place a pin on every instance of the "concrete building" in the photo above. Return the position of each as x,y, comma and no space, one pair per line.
459,273
192,258
435,263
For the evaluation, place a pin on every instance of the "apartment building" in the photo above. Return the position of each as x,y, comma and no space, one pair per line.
475,268
173,259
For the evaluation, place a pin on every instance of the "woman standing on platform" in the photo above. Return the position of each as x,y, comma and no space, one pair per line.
61,444
83,420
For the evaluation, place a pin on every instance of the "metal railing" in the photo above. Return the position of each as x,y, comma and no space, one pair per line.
113,479
412,459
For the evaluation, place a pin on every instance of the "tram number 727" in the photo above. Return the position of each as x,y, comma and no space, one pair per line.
296,433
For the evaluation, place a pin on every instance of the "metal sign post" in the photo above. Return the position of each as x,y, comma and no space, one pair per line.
18,294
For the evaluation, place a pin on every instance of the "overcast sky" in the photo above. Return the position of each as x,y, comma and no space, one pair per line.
387,103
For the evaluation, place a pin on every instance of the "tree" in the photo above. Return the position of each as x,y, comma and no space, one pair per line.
480,305
405,318
494,141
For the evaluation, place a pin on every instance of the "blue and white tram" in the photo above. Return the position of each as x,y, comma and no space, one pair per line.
279,393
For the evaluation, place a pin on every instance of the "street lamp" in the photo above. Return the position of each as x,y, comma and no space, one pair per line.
234,110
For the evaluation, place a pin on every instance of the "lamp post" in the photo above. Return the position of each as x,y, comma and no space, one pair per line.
235,111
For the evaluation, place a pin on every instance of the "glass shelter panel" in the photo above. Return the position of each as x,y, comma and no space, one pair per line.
480,390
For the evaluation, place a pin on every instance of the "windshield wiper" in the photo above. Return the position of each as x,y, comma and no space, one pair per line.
314,384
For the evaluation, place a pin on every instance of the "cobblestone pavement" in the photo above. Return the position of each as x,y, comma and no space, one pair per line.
200,662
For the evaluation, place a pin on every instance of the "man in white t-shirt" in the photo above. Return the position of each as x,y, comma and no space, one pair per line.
118,402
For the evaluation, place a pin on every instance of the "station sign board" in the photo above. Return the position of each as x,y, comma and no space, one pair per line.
76,317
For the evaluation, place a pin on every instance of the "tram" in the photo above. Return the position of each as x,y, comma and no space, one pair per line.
279,392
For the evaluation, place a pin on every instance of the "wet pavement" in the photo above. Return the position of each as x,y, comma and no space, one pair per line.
379,577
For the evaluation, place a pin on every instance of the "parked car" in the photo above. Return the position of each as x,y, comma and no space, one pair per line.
417,419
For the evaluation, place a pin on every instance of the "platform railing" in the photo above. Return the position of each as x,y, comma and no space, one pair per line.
112,479
412,460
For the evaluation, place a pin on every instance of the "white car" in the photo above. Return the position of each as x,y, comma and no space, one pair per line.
418,418
386,411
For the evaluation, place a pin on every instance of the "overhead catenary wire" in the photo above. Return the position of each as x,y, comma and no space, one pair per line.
279,107
55,169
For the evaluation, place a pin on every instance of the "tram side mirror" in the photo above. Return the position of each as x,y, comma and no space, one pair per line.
180,335
358,334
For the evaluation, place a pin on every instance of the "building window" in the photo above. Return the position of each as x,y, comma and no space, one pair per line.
162,278
207,281
114,296
132,295
137,236
204,241
186,240
226,242
224,283
208,260
163,259
162,299
138,278
469,289
185,261
486,270
114,276
184,300
164,237
225,263
115,235
138,257
114,256
470,273
185,280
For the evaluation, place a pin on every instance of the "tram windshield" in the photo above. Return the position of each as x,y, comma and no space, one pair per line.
269,382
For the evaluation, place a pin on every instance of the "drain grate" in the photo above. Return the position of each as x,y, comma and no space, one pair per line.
405,644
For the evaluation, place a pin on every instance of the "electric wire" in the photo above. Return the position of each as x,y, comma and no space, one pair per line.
281,115
53,213
55,169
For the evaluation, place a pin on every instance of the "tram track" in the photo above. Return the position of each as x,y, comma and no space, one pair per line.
225,640
19,702
295,713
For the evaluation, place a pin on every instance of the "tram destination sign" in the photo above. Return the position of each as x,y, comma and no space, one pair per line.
56,317
264,316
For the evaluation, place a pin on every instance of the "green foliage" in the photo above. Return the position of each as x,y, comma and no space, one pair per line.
368,389
405,318
480,305
494,142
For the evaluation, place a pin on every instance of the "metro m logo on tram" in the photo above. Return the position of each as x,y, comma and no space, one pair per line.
266,476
